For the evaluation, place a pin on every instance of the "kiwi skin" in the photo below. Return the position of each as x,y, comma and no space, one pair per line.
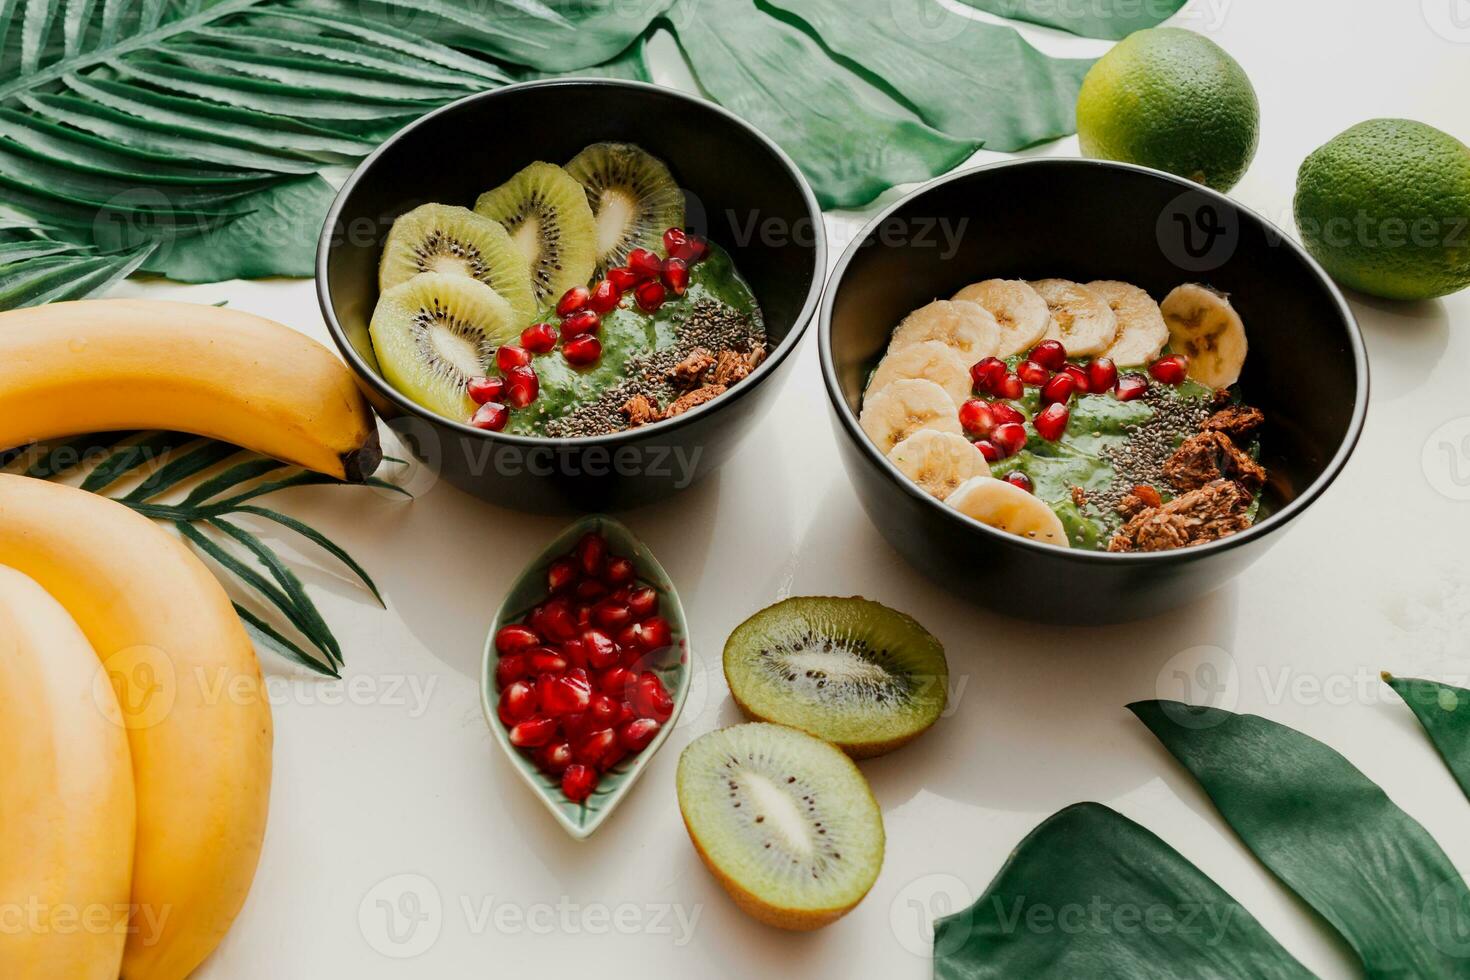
854,749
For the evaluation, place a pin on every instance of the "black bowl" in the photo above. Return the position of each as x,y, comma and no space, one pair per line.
743,192
1085,220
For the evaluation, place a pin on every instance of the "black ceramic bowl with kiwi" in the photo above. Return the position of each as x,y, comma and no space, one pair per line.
572,294
1050,221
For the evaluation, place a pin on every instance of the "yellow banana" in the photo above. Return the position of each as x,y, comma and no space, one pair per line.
106,365
66,797
192,699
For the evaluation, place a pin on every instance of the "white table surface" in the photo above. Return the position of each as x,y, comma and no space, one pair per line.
389,791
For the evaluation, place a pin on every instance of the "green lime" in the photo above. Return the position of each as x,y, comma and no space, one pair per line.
1173,100
1385,207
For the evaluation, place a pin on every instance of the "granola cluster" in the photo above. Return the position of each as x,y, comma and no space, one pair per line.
698,378
1216,481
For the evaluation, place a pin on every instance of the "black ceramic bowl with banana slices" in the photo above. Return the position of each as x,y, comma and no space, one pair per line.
1083,221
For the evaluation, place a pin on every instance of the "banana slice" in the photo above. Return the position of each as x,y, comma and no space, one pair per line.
1020,312
1080,318
938,462
1141,329
930,360
967,327
905,407
1204,327
1008,508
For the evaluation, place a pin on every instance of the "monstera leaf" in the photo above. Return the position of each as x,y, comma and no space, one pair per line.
188,137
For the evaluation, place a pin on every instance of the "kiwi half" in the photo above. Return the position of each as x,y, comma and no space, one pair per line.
632,195
854,672
547,215
435,332
785,821
440,238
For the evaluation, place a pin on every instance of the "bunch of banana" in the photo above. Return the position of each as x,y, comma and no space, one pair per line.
138,743
116,364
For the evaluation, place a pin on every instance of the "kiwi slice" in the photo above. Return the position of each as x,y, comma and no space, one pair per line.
854,672
435,332
785,821
440,238
632,195
547,215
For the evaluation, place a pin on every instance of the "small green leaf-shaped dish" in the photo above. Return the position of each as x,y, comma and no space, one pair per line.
672,665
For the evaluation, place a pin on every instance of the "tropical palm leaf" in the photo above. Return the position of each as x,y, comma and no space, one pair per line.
201,487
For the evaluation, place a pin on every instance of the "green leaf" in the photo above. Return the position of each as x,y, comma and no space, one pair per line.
1330,834
147,451
967,78
181,468
1112,21
1444,712
852,140
319,539
1090,893
268,636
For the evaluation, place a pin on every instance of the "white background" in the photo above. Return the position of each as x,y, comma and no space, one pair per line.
394,774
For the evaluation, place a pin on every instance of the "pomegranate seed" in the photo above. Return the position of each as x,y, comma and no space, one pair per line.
511,669
1058,389
575,654
1032,373
636,734
1051,421
976,417
626,712
578,782
573,300
533,733
582,351
650,296
591,552
643,602
510,356
583,615
515,638
1148,495
644,264
1010,437
617,682
602,652
1170,370
1018,479
561,574
655,633
574,726
555,757
563,695
1009,386
580,673
521,386
1102,374
985,373
605,297
682,245
619,571
517,703
675,275
491,416
1050,354
590,590
651,700
622,279
1005,413
1130,386
544,660
603,711
482,390
539,338
556,621
612,615
1077,374
582,322
674,239
593,748
989,450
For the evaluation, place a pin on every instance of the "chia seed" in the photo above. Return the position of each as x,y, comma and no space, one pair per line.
1141,457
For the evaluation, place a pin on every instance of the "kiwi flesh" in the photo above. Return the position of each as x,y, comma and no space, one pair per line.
547,215
435,332
784,821
866,678
441,238
632,195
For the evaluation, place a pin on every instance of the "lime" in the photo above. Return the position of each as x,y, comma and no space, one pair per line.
1385,207
1173,100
